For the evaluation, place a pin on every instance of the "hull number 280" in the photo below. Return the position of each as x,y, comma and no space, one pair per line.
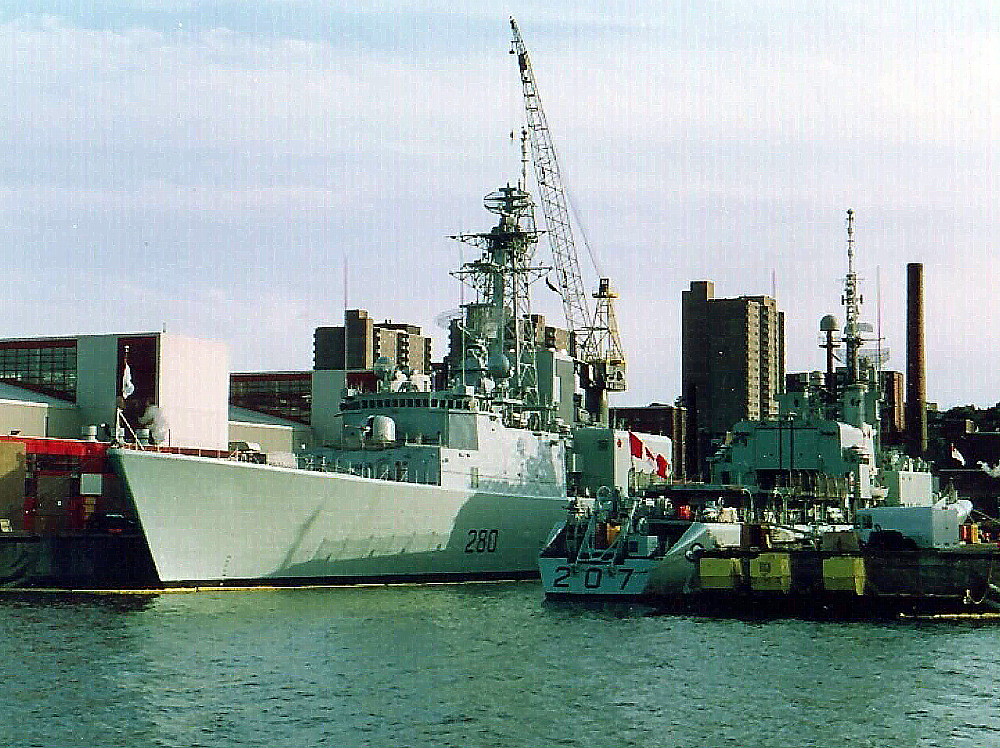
482,541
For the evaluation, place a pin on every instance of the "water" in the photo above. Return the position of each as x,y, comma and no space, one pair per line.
476,665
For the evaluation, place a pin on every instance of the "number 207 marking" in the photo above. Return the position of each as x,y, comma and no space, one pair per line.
591,578
482,541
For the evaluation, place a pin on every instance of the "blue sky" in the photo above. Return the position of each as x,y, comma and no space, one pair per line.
208,166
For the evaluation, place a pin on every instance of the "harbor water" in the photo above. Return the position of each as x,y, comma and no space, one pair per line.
476,665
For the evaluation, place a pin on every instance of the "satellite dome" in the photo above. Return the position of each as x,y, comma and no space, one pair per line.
829,323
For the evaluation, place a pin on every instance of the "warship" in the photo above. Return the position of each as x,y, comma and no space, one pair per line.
421,484
454,476
816,476
416,478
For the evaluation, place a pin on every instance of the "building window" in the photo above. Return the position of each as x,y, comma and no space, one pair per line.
48,367
283,394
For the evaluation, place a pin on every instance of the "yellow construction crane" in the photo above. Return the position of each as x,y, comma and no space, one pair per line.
594,327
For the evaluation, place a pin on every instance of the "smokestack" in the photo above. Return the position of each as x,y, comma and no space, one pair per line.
916,383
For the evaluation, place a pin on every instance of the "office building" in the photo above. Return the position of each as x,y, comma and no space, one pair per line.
733,365
367,341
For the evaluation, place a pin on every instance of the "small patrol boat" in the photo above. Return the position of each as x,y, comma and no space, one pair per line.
631,548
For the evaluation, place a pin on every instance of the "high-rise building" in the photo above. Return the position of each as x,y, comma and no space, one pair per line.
367,341
893,407
733,365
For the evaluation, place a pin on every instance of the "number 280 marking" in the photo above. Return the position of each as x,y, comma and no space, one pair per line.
482,541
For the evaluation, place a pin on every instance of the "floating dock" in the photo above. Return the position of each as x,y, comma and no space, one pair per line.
853,582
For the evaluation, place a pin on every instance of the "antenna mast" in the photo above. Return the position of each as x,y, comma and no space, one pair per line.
852,302
499,320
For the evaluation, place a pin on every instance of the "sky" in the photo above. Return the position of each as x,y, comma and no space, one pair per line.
243,171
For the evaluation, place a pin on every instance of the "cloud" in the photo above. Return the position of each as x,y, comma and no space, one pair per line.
160,152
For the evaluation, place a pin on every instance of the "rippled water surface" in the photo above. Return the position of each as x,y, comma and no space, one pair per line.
476,665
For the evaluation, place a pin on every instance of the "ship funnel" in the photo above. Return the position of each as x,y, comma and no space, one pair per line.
916,382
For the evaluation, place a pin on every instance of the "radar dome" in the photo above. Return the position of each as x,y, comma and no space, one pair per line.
829,324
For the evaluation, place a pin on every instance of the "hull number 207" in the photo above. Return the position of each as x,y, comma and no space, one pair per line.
482,541
592,577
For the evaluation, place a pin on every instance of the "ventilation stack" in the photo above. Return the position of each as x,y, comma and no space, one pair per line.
916,382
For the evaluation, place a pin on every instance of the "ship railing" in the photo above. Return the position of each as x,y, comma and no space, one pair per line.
403,474
407,440
223,454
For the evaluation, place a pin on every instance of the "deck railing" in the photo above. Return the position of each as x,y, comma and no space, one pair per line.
319,464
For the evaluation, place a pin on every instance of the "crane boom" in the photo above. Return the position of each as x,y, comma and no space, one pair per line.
579,318
595,329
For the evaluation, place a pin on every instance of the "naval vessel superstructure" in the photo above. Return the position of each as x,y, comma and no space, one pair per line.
457,483
788,481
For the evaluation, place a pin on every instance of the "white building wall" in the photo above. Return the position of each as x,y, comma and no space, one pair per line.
29,419
33,414
193,391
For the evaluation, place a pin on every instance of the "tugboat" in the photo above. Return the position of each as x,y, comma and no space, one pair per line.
628,547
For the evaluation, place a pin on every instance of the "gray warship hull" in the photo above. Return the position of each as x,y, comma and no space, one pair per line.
222,522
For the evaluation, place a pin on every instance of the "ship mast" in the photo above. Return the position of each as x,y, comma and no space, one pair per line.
859,400
852,302
498,322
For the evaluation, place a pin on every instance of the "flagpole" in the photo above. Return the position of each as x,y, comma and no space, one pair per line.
127,389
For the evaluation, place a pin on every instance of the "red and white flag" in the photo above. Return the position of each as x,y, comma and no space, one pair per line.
656,462
635,445
662,466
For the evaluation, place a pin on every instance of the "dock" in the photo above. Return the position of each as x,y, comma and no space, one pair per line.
853,582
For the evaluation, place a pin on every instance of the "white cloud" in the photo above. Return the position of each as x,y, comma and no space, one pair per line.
697,145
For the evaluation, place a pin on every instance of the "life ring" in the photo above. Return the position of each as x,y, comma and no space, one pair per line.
695,552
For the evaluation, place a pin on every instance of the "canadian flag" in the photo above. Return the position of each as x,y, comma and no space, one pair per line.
656,462
635,445
662,466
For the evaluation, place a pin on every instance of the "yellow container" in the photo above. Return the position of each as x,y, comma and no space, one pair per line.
771,572
973,533
719,573
844,574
